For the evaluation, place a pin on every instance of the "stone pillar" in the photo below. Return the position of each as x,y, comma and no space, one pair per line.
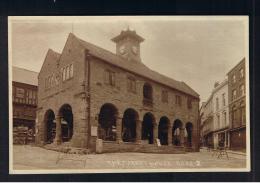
170,134
119,130
155,132
182,136
58,139
138,131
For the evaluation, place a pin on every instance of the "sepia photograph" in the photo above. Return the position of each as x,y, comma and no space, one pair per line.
109,94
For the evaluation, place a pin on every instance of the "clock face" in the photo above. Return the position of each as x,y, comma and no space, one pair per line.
134,49
122,49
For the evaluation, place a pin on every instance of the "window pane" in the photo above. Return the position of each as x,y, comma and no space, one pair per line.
67,72
71,70
112,79
20,92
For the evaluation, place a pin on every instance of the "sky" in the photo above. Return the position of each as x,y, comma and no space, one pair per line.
196,50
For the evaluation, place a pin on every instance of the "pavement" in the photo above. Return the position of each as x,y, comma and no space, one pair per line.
27,157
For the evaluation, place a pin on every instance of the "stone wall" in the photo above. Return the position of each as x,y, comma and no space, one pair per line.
101,93
76,92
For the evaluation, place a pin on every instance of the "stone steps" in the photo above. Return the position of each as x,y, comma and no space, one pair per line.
147,148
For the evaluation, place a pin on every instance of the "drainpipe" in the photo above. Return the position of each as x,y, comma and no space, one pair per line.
87,94
198,126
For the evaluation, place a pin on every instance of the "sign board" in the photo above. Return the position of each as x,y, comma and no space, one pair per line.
158,142
94,131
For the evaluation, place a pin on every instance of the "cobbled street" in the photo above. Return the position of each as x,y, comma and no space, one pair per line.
35,158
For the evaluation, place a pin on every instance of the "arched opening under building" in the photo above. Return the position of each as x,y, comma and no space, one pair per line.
163,130
147,92
129,125
66,115
147,127
176,132
107,122
189,128
50,130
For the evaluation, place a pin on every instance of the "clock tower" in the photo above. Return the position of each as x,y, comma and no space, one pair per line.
128,45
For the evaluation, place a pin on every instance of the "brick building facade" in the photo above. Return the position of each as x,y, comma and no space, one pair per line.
237,105
88,93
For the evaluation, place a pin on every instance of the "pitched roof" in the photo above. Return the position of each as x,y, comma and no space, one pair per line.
127,33
51,56
135,67
22,75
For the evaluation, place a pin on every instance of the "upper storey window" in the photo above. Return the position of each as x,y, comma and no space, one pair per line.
242,89
223,99
178,100
131,84
147,92
67,72
241,73
234,78
217,104
20,92
234,94
110,77
165,96
189,103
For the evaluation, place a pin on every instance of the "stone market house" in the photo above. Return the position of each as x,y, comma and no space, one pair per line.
88,93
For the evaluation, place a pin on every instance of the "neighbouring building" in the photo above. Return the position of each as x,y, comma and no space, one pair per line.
224,113
87,93
207,123
220,113
24,87
237,106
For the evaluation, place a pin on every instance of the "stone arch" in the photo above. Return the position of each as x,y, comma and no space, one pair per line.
107,122
189,130
147,127
164,124
176,132
65,112
50,126
129,123
148,92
